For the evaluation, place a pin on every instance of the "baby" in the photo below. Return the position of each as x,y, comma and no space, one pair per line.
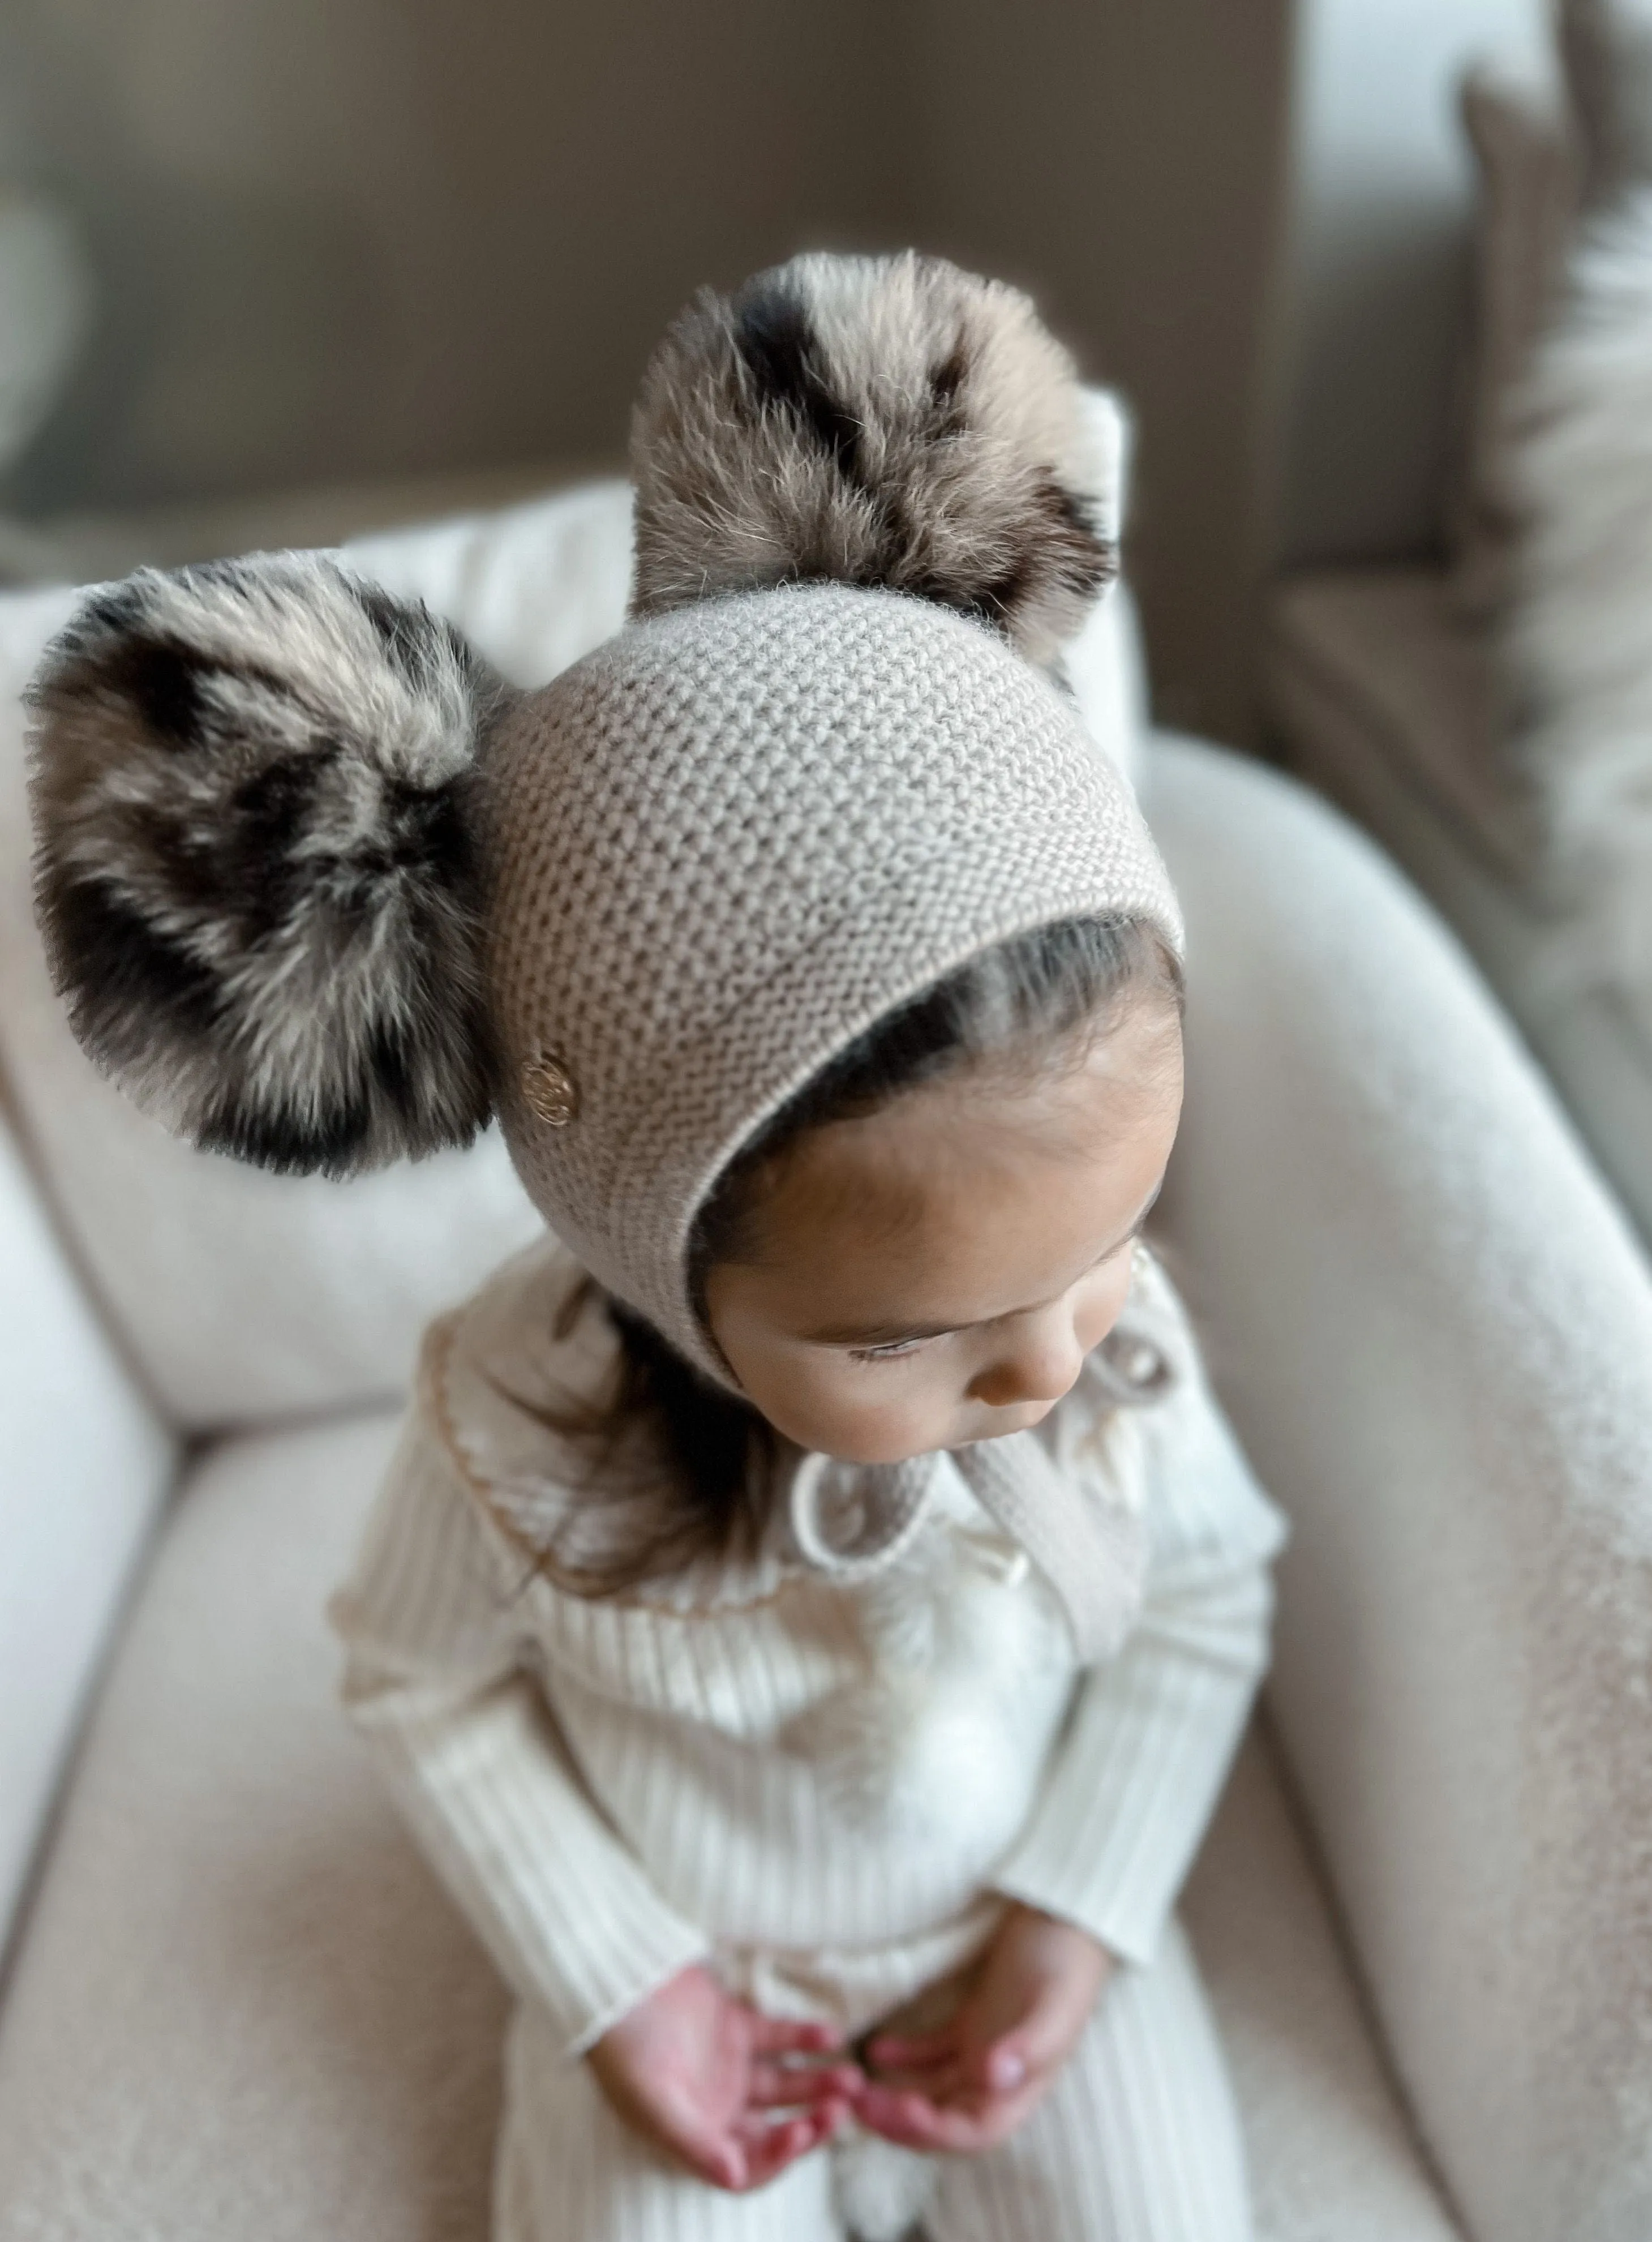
815,1598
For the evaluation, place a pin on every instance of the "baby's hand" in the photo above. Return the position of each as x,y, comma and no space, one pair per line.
704,2075
969,2085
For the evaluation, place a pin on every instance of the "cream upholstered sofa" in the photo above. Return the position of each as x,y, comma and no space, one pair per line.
235,2003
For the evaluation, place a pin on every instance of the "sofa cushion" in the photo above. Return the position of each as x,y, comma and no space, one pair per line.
1433,1331
242,2007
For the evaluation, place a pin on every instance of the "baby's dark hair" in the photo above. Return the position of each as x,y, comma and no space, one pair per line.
1040,1001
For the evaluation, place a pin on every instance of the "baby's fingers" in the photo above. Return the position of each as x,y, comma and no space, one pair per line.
707,2150
904,2116
800,2086
766,2149
1004,2064
914,2050
944,2083
784,2036
966,2122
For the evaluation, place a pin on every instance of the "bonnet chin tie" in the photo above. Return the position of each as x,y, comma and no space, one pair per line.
850,1521
1093,1556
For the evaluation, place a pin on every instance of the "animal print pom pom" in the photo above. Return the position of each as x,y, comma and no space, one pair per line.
254,869
868,420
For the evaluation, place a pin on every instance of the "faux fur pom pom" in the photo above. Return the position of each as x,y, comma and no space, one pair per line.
253,863
868,420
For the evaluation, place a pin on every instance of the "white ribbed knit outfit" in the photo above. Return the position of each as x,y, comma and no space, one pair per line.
824,1786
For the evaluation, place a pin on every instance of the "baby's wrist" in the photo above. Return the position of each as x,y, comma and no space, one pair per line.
1065,1951
1063,1925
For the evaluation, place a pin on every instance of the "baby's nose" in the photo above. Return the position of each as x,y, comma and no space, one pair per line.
1038,1363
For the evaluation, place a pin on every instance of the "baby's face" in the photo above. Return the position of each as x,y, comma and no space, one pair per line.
936,1272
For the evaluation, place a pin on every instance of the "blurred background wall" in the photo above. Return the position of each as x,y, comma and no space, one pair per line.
346,238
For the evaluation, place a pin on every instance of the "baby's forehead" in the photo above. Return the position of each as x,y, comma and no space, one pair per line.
950,1153
1035,1091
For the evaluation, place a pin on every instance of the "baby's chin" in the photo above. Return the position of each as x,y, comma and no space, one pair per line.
971,1426
976,1424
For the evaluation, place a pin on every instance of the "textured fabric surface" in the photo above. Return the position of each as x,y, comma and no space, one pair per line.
1434,1334
1136,2141
244,2009
242,2006
1332,2154
733,838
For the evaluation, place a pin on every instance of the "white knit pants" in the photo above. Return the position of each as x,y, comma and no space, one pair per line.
1137,2141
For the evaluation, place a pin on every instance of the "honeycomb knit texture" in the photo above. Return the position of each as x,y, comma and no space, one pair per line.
729,841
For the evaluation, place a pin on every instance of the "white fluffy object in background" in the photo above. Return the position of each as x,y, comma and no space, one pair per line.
1579,635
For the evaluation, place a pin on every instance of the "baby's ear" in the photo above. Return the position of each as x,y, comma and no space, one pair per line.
255,865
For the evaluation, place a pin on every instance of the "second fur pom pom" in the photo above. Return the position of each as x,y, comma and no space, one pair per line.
888,422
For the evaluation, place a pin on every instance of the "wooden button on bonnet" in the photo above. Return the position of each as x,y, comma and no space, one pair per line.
550,1091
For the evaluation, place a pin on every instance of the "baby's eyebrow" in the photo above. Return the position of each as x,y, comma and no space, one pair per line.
886,1334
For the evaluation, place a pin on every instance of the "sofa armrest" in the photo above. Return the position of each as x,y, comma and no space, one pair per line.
86,1463
1434,1334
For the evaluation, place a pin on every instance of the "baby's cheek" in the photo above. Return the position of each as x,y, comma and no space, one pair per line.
873,1414
1103,1304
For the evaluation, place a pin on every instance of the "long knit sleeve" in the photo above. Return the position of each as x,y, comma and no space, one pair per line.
435,1680
1135,1777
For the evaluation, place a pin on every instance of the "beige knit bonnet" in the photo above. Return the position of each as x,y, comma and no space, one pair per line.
320,891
